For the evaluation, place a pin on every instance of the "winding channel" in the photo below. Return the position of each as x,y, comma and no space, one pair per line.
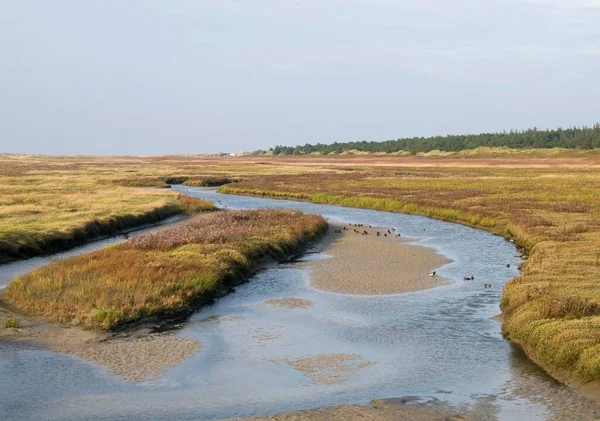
439,344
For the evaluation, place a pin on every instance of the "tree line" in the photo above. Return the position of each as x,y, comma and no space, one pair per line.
571,138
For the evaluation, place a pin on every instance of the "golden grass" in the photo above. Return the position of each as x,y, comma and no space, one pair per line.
46,219
553,308
163,273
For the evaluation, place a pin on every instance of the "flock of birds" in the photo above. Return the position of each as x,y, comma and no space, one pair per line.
392,232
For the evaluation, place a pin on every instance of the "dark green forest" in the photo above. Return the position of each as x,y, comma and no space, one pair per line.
572,138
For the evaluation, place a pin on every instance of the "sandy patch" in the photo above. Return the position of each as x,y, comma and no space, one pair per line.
385,410
139,359
327,368
140,356
290,303
372,265
261,335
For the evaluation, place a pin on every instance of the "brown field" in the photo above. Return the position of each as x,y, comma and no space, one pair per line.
167,273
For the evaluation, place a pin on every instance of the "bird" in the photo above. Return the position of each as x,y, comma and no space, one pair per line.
487,285
431,273
466,278
508,265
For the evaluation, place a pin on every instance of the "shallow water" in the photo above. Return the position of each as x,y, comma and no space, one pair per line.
439,344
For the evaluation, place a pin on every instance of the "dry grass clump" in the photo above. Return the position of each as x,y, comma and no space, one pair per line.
553,308
168,272
12,323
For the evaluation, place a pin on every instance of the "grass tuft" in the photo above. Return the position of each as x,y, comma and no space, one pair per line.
12,323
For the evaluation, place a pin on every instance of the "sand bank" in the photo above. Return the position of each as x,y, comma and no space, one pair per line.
367,264
327,368
289,303
386,410
135,357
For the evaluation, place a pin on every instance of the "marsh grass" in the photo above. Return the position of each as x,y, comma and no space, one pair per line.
58,224
163,273
12,323
553,308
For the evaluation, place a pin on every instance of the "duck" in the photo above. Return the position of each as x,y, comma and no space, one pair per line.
487,285
508,265
431,273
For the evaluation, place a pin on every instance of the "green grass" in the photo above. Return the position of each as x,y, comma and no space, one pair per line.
12,323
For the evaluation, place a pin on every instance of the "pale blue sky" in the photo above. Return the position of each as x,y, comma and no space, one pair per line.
180,76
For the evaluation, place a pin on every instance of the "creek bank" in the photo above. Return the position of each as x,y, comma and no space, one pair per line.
99,229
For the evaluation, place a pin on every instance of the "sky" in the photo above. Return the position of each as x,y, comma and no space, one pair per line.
150,77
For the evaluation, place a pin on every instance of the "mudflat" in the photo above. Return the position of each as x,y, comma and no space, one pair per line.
135,357
384,410
364,263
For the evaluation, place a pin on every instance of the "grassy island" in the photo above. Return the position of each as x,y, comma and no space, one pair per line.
163,274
